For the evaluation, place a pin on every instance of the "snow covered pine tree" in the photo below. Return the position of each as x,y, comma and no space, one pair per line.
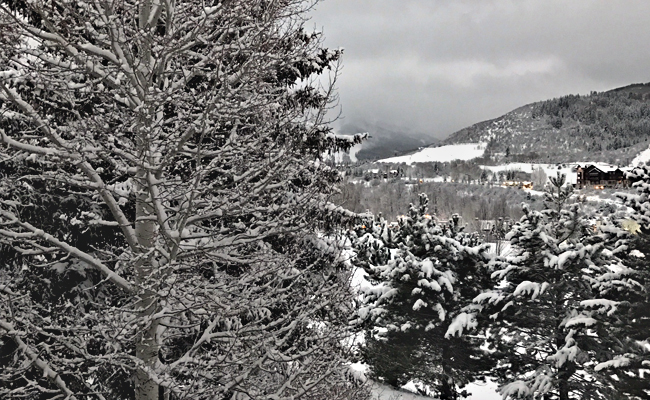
420,274
628,290
162,203
542,312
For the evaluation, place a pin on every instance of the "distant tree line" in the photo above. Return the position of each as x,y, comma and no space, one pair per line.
463,171
471,202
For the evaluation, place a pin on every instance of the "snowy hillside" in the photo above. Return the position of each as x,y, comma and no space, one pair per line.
466,151
642,157
570,128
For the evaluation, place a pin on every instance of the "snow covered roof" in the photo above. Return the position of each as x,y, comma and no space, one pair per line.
606,167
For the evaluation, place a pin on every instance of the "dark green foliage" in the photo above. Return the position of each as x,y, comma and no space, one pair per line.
540,314
422,273
631,320
628,325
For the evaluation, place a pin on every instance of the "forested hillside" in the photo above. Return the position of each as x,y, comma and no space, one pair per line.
610,126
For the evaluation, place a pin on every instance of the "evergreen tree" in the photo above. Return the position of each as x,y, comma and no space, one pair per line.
539,313
623,311
639,201
421,273
626,290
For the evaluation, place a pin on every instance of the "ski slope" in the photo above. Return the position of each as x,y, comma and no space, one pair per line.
642,157
447,153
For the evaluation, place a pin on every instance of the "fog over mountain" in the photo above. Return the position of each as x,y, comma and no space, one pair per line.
385,140
435,67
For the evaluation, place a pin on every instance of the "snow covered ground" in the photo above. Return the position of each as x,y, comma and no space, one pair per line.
483,391
468,151
380,391
447,153
478,391
644,157
383,392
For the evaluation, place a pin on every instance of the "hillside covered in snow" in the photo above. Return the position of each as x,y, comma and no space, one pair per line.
466,151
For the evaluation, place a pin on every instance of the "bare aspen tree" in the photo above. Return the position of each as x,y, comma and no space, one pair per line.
163,208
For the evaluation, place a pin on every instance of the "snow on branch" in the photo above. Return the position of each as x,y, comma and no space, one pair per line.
461,322
32,356
617,362
533,288
516,389
83,256
602,305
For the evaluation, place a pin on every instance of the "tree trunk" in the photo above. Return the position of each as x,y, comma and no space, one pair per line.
447,384
147,346
564,389
447,389
563,373
146,350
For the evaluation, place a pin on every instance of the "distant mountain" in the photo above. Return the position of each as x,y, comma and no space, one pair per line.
612,127
386,141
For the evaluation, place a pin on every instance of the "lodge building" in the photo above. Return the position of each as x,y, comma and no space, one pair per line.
600,176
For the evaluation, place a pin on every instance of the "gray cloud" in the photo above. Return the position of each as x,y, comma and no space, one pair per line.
437,66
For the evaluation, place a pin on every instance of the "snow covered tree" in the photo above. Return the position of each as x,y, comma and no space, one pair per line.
542,312
163,203
420,273
639,201
624,312
627,290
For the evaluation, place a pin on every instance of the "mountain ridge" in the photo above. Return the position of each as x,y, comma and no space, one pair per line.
611,126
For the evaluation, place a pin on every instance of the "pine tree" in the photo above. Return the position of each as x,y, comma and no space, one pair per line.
421,272
539,313
626,290
639,201
624,314
163,210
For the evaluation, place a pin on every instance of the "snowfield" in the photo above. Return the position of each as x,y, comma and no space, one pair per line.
447,153
478,391
642,157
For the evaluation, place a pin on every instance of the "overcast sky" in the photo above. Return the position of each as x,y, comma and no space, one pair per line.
436,66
